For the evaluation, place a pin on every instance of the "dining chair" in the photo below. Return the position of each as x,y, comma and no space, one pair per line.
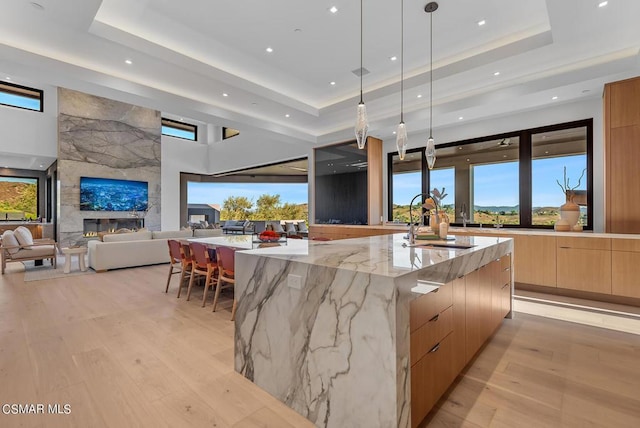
175,261
203,266
187,265
226,266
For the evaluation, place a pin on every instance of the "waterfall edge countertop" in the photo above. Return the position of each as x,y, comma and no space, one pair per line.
324,326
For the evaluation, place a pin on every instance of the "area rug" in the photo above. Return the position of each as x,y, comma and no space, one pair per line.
39,273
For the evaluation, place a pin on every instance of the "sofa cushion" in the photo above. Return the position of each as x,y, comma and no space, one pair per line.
172,234
291,228
277,227
133,236
206,233
45,251
23,235
9,240
302,227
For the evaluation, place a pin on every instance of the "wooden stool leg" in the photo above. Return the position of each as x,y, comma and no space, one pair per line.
166,290
193,273
218,287
233,310
207,281
183,276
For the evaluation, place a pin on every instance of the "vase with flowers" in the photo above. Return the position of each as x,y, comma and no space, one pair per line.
569,211
433,205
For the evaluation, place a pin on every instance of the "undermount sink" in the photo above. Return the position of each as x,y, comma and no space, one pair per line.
452,245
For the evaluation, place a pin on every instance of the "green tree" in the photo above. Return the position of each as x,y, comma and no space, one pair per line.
236,208
267,207
291,212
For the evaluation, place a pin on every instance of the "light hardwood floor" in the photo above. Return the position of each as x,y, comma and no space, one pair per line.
124,354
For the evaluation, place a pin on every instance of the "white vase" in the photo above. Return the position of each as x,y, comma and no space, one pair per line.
570,212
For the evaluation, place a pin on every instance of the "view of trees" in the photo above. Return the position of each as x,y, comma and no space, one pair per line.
19,197
267,207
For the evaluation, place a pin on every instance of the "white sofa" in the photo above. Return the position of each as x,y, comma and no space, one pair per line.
138,248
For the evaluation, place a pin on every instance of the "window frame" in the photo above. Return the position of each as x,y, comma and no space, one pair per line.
181,126
28,177
525,170
23,91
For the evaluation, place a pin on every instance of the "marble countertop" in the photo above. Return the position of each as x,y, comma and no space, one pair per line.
384,255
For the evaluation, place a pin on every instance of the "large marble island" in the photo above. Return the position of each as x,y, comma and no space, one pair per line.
344,331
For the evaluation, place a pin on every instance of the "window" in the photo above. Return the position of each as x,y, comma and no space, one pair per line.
174,128
406,182
552,152
21,96
229,132
512,178
18,198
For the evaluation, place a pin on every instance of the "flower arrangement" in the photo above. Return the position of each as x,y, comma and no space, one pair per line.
269,236
435,201
566,186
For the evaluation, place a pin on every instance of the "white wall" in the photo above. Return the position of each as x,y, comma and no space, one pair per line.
178,156
587,109
33,133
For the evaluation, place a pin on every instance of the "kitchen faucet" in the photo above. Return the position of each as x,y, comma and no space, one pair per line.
412,230
498,225
463,213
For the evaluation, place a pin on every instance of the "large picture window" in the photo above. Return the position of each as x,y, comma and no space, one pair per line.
511,179
18,198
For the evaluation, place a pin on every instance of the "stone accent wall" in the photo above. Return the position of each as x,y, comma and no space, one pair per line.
99,137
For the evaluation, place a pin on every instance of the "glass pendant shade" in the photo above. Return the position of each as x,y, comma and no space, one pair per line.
431,153
401,140
362,126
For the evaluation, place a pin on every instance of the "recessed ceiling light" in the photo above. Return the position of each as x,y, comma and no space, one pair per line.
603,3
287,115
333,9
269,49
481,22
224,94
497,73
393,58
546,152
419,95
394,132
504,156
332,83
467,159
128,61
554,97
460,148
41,166
8,78
37,5
460,118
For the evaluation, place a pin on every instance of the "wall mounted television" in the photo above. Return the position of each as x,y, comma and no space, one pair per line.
107,194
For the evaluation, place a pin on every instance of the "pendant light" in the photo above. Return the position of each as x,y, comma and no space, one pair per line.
362,124
431,145
401,133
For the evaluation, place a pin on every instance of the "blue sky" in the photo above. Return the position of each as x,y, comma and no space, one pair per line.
216,193
497,184
16,100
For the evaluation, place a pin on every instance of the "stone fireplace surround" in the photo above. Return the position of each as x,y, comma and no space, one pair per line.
92,227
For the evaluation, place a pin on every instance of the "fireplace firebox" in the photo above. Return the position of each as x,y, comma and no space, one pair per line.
93,226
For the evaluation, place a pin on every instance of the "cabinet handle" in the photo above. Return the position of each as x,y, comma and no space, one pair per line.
435,348
564,247
435,318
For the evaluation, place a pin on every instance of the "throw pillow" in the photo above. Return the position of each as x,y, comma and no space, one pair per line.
302,227
277,227
291,228
24,237
9,240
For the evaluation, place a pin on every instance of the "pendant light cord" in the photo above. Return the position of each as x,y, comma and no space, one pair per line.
361,73
431,75
402,61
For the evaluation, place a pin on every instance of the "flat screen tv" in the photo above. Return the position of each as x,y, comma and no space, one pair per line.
107,194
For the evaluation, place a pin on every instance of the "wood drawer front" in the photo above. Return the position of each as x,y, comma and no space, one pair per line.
505,262
632,245
429,334
584,270
506,299
430,378
625,271
584,243
426,307
505,277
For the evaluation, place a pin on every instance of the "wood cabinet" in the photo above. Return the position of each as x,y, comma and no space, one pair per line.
622,149
535,259
449,326
625,267
584,264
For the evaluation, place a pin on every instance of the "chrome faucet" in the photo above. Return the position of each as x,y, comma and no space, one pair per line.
463,214
412,229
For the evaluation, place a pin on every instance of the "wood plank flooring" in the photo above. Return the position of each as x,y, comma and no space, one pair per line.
123,353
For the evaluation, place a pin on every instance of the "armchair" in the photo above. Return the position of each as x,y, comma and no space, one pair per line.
11,250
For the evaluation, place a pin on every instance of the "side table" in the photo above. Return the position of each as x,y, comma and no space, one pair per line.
80,252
